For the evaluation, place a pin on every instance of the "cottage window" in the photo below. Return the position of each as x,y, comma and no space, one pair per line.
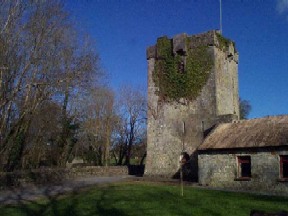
284,166
244,167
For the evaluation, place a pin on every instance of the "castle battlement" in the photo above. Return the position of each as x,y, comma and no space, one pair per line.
182,42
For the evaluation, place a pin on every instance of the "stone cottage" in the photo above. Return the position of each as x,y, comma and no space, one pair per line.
247,155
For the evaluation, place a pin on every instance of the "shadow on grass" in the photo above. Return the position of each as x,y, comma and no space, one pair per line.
140,199
57,202
104,208
46,203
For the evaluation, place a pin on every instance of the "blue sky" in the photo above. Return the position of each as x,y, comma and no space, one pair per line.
123,29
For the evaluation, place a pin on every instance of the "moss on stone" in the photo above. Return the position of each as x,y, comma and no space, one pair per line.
224,42
177,80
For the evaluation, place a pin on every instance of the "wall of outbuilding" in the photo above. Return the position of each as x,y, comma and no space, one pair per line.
219,169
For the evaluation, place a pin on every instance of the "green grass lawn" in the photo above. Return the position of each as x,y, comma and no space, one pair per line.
148,199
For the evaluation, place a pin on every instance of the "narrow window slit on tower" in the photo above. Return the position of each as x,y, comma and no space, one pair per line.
203,128
181,52
181,67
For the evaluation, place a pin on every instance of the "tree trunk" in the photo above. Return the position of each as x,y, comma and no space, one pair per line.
107,145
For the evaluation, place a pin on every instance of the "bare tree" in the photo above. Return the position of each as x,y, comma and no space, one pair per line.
98,117
40,60
131,123
45,129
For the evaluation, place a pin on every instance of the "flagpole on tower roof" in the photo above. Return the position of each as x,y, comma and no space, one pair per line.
220,16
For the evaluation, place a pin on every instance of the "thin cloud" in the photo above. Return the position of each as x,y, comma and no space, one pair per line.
282,6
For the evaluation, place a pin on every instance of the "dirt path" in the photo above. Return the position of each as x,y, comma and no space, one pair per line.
33,192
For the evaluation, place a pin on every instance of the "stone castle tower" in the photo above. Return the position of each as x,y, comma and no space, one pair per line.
192,86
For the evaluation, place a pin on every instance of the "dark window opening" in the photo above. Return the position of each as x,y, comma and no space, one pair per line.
244,166
181,52
283,166
230,55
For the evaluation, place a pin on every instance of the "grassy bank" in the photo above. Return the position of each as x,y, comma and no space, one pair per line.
147,199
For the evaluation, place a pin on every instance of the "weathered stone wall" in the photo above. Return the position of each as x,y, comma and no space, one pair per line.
55,176
165,136
97,171
219,169
226,73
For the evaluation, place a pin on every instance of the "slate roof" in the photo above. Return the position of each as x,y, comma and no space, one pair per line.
262,132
